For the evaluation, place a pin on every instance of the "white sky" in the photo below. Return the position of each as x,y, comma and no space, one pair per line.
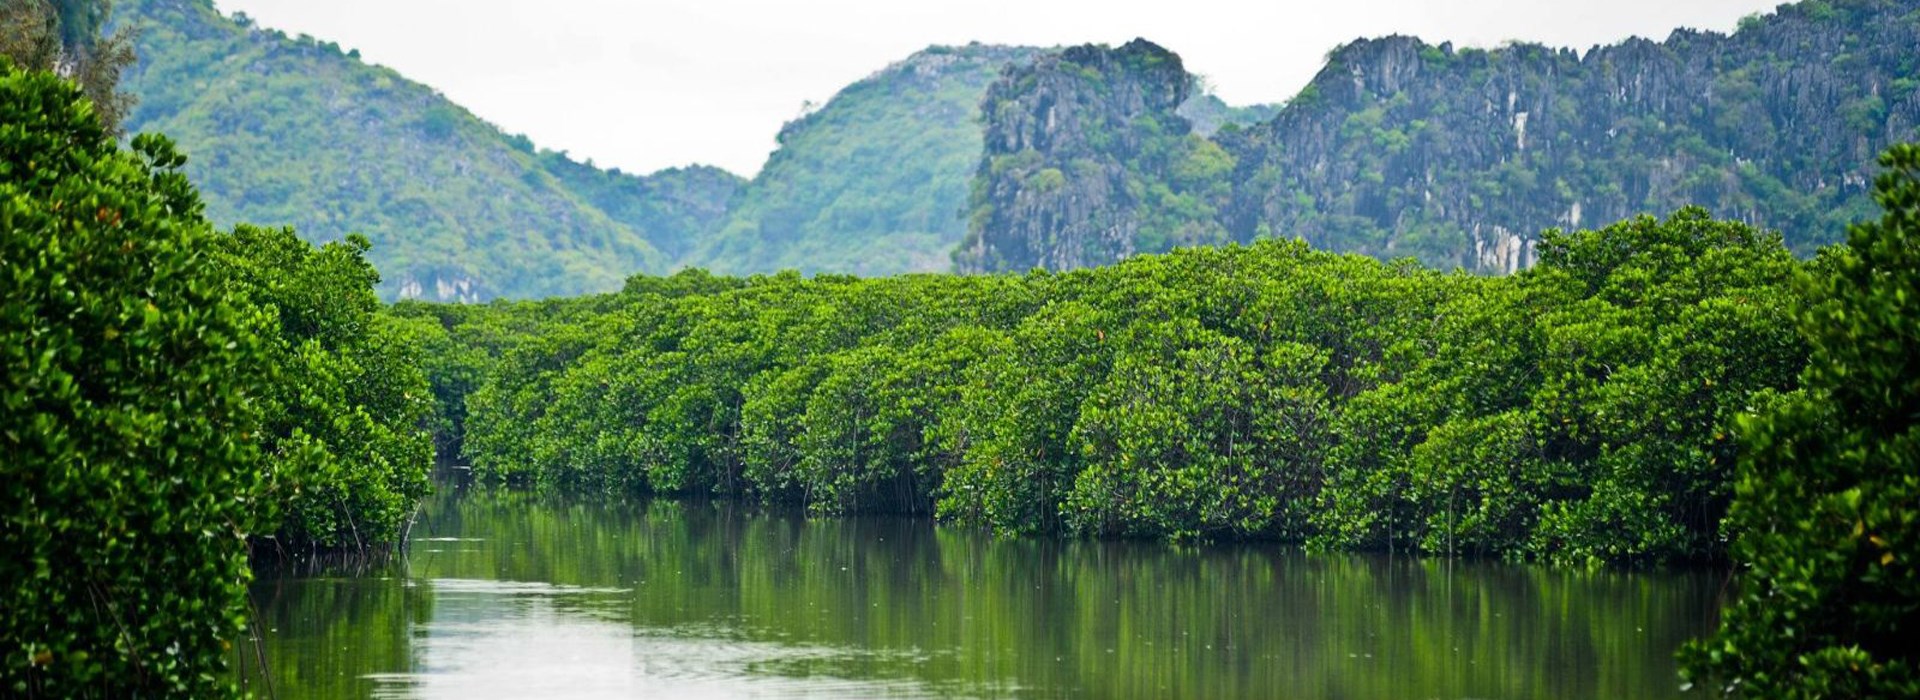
649,84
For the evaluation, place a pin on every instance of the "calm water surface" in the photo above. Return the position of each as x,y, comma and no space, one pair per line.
509,595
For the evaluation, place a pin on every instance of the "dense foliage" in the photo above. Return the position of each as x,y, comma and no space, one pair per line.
1825,512
347,419
128,409
1572,412
168,392
172,391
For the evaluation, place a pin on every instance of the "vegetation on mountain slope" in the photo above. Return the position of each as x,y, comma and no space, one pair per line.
1087,161
874,181
295,132
1460,157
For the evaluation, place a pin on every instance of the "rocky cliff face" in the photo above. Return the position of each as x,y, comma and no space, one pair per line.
1075,143
1460,157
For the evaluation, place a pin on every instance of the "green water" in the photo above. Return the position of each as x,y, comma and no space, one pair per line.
507,595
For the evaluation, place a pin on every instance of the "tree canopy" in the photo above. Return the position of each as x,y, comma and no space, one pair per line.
169,394
1574,412
1829,589
132,374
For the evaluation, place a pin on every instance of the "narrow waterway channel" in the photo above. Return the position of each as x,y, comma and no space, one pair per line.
511,595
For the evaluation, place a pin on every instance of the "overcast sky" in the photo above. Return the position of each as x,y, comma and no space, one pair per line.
649,84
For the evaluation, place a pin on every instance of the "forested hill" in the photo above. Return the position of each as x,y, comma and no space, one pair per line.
1460,157
1002,158
291,131
874,181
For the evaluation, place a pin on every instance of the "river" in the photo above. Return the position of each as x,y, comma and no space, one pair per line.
511,595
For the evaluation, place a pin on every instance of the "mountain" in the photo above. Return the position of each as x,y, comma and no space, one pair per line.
984,158
874,181
673,207
1461,156
877,181
1087,160
292,131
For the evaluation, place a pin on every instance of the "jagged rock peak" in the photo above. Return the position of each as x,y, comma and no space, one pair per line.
1073,144
1040,106
1462,156
1457,156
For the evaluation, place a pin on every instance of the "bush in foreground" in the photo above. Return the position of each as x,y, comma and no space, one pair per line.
1827,500
127,412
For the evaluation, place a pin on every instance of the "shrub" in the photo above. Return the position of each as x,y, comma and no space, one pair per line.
127,412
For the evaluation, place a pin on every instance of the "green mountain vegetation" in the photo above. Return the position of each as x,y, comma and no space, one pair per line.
874,181
1460,157
292,131
877,180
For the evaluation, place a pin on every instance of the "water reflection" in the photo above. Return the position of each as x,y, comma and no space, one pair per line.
509,595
